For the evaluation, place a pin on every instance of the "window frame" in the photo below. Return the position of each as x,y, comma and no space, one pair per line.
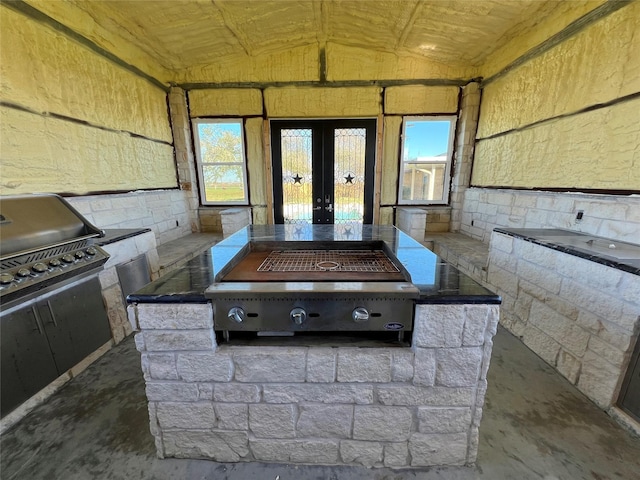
448,164
195,123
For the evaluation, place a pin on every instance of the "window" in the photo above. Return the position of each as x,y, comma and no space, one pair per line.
425,166
221,161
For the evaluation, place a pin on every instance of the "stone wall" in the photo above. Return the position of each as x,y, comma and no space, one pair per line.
393,407
611,216
581,317
165,212
122,252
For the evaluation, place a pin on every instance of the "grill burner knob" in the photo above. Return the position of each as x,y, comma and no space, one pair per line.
79,254
298,315
360,314
68,258
236,314
39,267
24,272
6,278
91,251
54,263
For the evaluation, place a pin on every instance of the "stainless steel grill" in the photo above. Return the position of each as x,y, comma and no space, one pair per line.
355,287
44,242
52,313
327,260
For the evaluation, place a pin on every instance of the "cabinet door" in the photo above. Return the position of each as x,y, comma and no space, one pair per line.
26,361
76,323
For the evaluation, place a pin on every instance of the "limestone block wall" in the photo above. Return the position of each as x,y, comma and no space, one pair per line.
581,317
558,121
611,216
393,407
73,121
234,219
165,212
122,252
438,219
412,221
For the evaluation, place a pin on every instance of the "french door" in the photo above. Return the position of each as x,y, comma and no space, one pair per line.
323,171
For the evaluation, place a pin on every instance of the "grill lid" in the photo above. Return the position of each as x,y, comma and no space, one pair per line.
32,222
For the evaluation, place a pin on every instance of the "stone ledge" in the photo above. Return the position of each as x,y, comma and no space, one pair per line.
177,252
468,255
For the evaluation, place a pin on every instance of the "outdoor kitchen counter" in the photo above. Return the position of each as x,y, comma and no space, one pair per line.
438,281
319,399
612,253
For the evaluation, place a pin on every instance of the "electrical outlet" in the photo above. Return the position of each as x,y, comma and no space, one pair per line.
579,216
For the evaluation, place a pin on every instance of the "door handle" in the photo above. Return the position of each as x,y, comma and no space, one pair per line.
53,317
36,316
329,208
316,208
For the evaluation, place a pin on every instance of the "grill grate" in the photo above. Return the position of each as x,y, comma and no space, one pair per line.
327,261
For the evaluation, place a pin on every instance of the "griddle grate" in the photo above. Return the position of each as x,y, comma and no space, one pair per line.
327,261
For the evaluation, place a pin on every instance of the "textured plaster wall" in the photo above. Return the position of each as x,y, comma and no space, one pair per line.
598,149
405,100
296,64
44,154
353,63
90,125
92,28
225,101
561,15
595,66
300,102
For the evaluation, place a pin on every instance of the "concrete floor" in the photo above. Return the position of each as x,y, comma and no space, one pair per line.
535,426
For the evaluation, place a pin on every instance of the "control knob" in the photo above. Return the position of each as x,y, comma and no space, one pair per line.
91,251
68,258
6,279
54,263
360,314
24,272
39,267
79,254
236,314
298,315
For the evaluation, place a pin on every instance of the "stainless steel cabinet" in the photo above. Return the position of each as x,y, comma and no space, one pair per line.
27,362
44,339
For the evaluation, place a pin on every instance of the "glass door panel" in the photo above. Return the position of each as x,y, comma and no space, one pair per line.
297,175
349,174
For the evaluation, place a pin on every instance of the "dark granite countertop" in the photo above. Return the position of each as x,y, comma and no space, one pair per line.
117,234
438,281
612,253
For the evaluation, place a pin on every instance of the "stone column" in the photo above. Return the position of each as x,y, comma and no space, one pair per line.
465,144
185,158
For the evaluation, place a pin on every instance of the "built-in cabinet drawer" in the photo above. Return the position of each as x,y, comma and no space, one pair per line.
46,338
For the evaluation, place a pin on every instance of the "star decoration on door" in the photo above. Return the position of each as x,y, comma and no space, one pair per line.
297,179
349,178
